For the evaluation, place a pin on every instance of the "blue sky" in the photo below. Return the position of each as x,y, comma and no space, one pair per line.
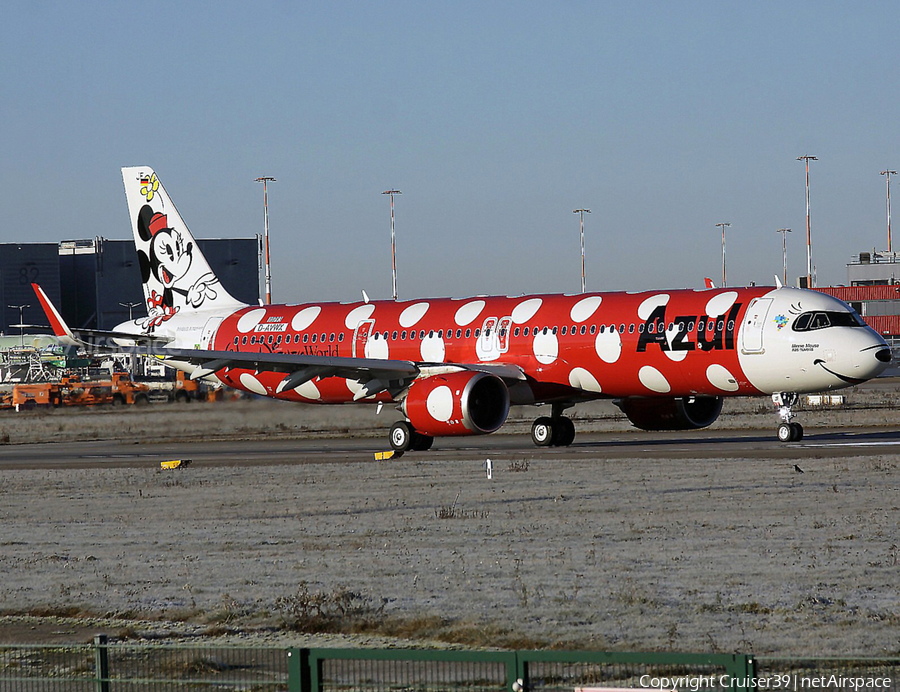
495,119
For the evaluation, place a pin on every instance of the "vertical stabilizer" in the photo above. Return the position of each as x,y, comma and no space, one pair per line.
176,276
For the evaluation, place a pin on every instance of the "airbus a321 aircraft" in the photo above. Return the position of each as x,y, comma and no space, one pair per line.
455,366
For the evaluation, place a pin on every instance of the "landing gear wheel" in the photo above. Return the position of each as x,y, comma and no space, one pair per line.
785,432
798,432
563,432
542,432
421,443
402,435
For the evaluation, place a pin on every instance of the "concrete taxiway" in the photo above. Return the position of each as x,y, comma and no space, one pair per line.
630,446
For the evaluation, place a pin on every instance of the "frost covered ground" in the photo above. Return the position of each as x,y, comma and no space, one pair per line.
650,553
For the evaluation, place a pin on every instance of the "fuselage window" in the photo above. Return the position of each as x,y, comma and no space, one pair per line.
477,333
375,336
721,325
564,329
631,328
525,331
278,341
690,326
516,332
440,333
593,329
545,330
554,330
468,333
306,338
621,329
394,335
459,333
421,333
315,337
584,329
403,335
602,328
271,339
731,325
641,328
244,341
340,337
331,337
236,340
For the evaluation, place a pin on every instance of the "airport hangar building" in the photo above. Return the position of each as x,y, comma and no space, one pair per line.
89,280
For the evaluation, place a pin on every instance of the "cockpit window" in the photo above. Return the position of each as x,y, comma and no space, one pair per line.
811,321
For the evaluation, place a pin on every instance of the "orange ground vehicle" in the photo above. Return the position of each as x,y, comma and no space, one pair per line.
71,390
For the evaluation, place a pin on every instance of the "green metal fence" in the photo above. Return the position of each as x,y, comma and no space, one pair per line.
131,667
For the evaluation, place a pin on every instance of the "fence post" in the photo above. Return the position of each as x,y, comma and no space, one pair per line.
742,672
298,670
101,662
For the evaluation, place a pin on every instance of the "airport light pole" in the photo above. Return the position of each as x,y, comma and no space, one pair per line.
888,174
582,212
784,232
723,225
808,237
393,242
130,307
21,325
265,180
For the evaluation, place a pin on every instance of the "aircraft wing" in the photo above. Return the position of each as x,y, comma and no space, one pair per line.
373,374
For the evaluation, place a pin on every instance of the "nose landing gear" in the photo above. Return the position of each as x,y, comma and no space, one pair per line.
787,430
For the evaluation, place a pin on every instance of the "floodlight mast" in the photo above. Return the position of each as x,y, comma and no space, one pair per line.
809,271
724,226
393,243
888,174
582,212
784,232
265,180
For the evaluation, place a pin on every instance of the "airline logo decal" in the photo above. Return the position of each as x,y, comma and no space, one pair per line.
712,333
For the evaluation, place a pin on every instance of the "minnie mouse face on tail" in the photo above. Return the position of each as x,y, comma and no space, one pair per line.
169,257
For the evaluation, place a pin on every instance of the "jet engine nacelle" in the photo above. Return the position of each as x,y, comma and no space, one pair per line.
671,413
458,403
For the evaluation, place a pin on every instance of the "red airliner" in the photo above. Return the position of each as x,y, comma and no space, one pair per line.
455,366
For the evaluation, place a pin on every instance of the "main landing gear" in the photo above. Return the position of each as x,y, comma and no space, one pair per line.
787,431
404,438
553,431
